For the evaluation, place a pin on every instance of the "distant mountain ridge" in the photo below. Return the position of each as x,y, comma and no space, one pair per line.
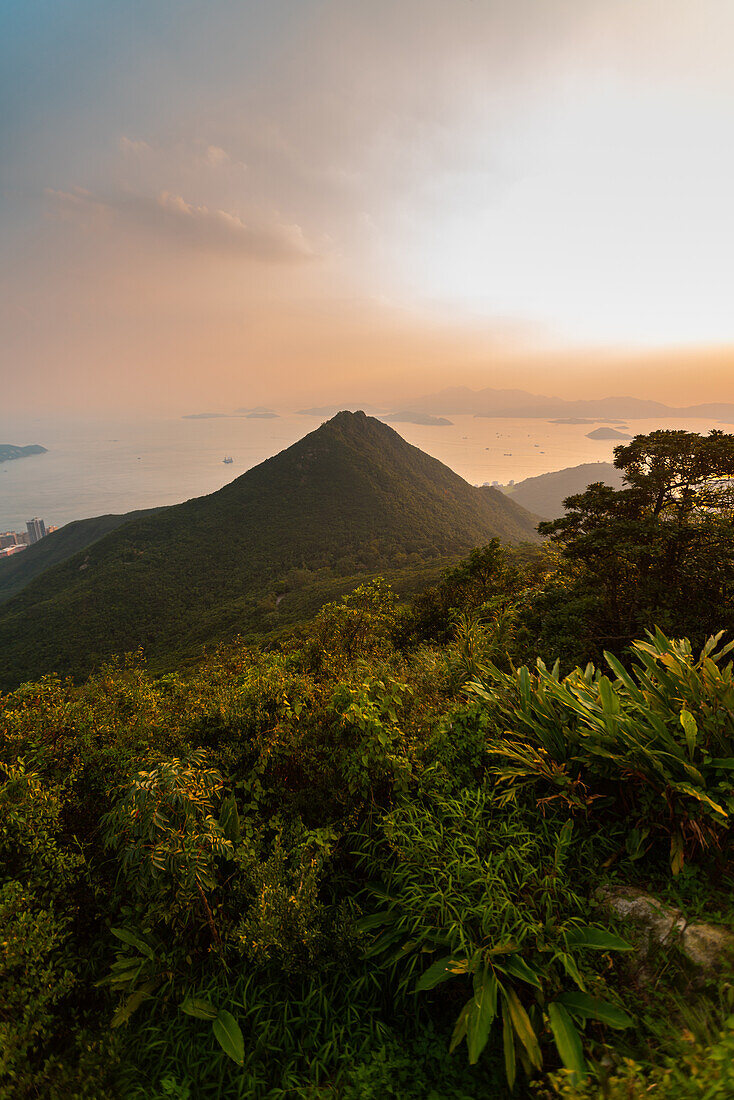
351,496
544,495
518,403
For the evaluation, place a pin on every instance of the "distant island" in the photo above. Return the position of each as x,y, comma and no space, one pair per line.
9,451
607,433
426,419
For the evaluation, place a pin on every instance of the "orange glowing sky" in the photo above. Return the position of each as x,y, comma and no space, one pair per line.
308,201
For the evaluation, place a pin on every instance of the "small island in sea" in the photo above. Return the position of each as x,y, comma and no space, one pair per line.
9,451
607,433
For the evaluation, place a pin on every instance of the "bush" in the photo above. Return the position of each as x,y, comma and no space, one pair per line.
653,748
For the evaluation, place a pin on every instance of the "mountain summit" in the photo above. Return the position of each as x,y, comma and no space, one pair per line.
351,497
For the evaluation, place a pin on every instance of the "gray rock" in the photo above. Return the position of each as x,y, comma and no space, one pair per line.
709,948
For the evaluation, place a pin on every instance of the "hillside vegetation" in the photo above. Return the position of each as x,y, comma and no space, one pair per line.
376,858
352,497
20,569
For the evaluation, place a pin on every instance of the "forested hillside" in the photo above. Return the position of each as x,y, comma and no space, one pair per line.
20,569
350,498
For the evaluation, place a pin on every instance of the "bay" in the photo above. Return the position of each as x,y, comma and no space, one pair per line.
98,466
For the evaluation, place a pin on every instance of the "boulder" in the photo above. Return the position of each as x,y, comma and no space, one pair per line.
709,948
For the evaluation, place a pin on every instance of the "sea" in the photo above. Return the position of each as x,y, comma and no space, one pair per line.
99,466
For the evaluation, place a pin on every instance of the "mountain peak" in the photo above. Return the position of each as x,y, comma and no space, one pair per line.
350,499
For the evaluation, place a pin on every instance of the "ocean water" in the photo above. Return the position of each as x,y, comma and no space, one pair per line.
99,466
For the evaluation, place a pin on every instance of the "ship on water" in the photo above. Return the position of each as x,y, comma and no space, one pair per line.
227,460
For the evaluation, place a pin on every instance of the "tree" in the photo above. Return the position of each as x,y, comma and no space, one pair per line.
487,573
661,549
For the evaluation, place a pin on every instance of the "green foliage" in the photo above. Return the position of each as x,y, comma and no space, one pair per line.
311,869
659,550
654,747
167,836
360,625
701,1068
493,892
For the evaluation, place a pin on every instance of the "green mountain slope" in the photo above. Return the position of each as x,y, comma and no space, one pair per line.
350,497
20,569
544,495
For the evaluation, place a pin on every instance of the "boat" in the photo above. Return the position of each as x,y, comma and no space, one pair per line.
228,460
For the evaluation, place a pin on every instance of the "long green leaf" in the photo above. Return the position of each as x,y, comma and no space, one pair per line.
585,1007
374,920
686,788
441,971
621,673
461,1025
568,1041
690,728
128,1006
508,1043
597,939
229,1036
516,967
523,1027
481,1020
202,1010
133,941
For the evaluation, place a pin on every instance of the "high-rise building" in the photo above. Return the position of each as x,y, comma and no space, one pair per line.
36,529
8,538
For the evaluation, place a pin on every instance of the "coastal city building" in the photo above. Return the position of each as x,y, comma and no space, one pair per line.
13,541
36,530
8,551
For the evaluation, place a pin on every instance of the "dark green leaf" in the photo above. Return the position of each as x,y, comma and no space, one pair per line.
585,1007
229,1036
568,1041
440,971
597,939
133,941
202,1010
481,1020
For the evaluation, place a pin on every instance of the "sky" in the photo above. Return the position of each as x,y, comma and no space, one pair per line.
222,204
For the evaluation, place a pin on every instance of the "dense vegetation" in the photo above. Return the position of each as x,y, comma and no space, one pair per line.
20,569
350,498
370,860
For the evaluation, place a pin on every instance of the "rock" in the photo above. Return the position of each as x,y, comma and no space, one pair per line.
709,948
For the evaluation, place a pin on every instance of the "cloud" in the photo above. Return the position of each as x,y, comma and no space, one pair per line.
167,215
134,147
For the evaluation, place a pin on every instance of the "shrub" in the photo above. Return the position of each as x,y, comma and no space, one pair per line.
489,891
655,746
